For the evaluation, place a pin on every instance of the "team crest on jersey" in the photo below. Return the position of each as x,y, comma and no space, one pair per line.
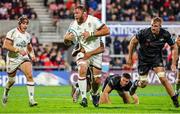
89,24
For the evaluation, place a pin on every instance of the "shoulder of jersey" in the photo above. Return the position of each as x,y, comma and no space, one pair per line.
13,30
166,33
164,30
91,17
145,30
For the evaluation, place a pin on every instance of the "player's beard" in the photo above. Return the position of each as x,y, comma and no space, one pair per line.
80,20
155,31
22,29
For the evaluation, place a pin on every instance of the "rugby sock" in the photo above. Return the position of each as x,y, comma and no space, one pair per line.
9,84
82,82
30,88
95,90
77,87
174,98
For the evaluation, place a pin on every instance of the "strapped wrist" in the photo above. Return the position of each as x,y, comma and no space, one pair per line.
92,34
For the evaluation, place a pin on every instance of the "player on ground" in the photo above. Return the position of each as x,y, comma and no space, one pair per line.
87,31
121,84
20,52
177,87
151,41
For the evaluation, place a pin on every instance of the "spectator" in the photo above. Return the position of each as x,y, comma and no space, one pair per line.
34,40
117,46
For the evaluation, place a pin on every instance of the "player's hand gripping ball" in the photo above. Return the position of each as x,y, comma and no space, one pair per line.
68,39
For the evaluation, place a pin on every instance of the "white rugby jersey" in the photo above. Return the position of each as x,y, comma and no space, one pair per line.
90,25
20,41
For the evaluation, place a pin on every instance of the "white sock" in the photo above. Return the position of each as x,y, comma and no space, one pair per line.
30,88
9,84
83,86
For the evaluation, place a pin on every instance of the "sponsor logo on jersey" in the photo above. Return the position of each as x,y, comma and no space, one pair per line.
21,44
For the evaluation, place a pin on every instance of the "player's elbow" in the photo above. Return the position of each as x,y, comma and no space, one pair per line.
107,31
4,46
102,49
174,47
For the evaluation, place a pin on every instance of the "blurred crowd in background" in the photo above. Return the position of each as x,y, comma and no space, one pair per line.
119,10
13,9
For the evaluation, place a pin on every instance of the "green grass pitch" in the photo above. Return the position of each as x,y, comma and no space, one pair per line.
153,99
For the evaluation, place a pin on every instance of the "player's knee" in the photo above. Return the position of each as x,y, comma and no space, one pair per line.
143,81
97,78
29,77
82,70
162,77
163,80
11,79
161,74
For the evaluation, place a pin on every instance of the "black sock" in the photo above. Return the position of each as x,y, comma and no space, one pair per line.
77,85
174,98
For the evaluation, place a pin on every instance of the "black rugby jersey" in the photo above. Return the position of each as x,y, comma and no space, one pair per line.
114,82
151,45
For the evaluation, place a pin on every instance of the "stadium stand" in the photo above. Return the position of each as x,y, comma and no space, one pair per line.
13,9
121,10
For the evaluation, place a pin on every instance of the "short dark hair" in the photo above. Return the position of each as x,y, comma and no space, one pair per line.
82,8
126,75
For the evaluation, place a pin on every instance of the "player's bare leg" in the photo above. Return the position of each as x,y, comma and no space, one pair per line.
26,68
9,84
95,86
82,82
177,86
161,74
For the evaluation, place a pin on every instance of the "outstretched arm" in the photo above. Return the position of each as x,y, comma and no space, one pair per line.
174,56
178,41
104,98
132,45
31,52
